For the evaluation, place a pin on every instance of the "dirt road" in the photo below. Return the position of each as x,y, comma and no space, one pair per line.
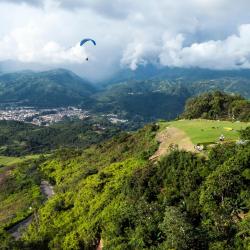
16,231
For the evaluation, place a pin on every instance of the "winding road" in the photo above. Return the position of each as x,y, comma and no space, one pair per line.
16,231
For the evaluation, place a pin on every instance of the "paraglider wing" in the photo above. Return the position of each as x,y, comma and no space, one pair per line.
87,40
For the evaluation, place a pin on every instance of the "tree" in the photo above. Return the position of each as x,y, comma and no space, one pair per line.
176,229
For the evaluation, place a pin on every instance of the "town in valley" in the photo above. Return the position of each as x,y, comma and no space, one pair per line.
48,116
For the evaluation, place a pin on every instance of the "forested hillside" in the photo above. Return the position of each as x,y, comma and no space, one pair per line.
19,139
169,185
150,92
53,88
144,95
192,74
217,105
112,193
143,100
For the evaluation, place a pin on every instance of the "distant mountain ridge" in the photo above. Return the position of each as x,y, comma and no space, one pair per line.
198,80
156,72
48,89
233,85
146,94
146,100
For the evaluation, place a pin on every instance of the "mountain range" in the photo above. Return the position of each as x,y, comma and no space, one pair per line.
151,71
47,89
148,93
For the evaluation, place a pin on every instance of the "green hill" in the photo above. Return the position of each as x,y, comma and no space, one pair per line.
208,131
111,192
18,138
196,79
164,98
158,72
143,100
44,89
231,85
217,105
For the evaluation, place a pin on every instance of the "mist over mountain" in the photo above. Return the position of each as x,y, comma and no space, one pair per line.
156,71
124,125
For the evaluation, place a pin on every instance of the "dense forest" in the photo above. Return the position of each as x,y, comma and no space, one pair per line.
146,100
112,192
217,105
18,138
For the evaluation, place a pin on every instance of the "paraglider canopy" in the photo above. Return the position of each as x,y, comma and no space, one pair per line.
87,40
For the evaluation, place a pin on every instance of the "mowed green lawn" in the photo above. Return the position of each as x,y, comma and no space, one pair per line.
8,161
208,131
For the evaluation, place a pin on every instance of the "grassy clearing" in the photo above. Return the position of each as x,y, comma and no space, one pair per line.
208,131
8,161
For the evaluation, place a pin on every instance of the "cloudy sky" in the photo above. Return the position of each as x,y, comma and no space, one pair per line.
40,34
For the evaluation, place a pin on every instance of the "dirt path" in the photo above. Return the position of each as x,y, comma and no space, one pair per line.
100,245
167,137
16,231
47,189
171,136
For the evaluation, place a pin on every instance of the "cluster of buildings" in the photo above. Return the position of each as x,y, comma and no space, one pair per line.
18,114
113,118
42,116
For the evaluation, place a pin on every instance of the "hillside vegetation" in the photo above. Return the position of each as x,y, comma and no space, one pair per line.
20,193
217,105
154,99
196,80
18,138
44,89
112,192
143,100
144,95
9,161
138,190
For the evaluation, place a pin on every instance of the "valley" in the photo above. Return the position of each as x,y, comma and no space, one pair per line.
100,187
160,96
123,166
124,125
42,116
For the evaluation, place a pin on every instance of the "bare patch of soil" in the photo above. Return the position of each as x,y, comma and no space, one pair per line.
172,136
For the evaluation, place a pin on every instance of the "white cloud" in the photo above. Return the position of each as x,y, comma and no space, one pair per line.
233,52
27,44
204,33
